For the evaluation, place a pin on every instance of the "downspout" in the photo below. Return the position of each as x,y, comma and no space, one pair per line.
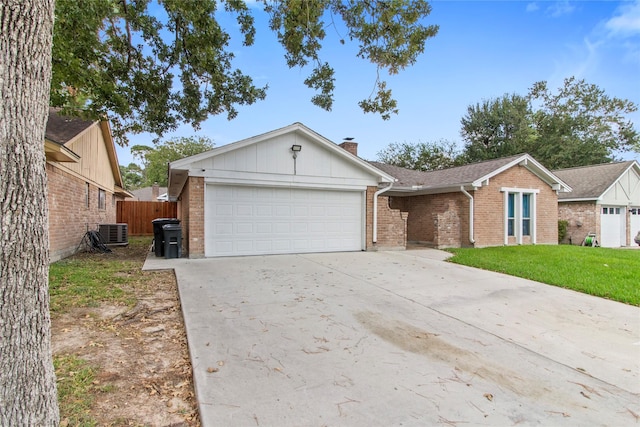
471,239
375,210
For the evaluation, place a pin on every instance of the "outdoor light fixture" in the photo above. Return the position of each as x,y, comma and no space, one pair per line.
296,149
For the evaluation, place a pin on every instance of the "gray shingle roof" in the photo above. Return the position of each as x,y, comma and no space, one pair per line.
61,129
590,182
450,177
145,194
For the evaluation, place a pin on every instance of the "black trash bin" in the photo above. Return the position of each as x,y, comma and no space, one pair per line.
158,235
172,240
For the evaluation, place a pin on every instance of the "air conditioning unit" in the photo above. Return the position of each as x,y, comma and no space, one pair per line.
114,234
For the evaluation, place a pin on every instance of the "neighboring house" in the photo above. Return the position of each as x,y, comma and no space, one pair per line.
605,201
508,201
292,191
154,193
83,178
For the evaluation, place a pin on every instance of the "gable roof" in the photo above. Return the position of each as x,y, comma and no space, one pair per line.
62,129
178,170
592,182
473,175
60,133
145,194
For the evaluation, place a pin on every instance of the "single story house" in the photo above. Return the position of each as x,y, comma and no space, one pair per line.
292,191
83,178
155,193
605,201
507,201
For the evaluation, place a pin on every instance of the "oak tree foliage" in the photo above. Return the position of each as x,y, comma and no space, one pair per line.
577,125
496,128
155,159
152,65
423,156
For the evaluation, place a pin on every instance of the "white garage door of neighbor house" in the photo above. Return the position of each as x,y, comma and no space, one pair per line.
635,223
612,226
243,220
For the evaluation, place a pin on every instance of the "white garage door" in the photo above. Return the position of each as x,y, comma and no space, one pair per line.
259,220
612,226
635,223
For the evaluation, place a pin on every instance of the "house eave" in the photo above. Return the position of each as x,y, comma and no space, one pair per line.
59,153
580,199
418,190
180,170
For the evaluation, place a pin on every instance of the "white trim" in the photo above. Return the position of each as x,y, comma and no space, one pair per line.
296,127
472,240
633,165
375,211
533,219
291,184
506,217
532,166
517,214
519,190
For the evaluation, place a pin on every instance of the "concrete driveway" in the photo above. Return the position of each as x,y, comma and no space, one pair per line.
401,338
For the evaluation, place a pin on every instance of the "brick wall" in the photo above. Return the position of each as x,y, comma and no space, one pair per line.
583,218
438,220
183,216
369,218
69,216
193,215
392,226
442,220
489,208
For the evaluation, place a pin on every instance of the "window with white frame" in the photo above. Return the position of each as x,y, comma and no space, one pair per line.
519,213
526,214
511,214
102,199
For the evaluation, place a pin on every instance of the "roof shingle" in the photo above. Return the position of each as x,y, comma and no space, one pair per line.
590,182
61,129
450,177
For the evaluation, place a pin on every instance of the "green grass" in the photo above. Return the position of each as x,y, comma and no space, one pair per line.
87,283
87,280
603,272
75,382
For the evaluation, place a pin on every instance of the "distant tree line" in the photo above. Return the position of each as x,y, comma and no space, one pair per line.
578,125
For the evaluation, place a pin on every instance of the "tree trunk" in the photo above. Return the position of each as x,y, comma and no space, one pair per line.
27,380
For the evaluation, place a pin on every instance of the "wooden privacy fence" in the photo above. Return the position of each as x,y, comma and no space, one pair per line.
140,214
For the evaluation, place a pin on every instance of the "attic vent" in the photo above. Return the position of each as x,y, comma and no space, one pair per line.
114,234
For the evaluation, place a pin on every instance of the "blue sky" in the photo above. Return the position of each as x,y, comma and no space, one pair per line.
483,50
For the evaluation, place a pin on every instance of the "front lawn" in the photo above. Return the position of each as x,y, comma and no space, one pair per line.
607,273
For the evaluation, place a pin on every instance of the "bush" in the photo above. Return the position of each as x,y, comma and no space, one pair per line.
562,230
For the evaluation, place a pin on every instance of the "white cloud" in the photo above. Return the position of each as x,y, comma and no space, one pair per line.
560,8
627,22
532,7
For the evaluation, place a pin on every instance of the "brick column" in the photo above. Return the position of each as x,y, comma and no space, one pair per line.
196,217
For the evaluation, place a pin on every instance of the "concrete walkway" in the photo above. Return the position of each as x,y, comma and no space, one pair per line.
401,338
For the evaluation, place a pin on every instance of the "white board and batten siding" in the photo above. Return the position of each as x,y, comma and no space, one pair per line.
255,204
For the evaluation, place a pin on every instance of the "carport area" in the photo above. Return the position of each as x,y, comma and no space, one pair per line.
401,338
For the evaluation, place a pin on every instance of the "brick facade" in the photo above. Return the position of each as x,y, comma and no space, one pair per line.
489,208
438,220
69,216
191,211
392,226
442,220
582,217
